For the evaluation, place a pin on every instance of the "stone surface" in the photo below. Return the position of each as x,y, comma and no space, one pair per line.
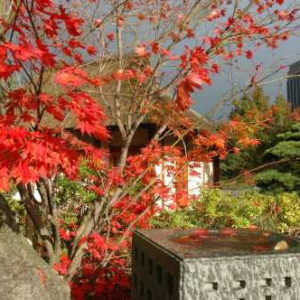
174,265
23,274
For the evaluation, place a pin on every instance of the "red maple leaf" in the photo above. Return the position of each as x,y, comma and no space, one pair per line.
91,50
141,51
111,36
249,54
71,76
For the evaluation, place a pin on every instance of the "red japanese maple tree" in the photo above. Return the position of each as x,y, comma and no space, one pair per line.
142,52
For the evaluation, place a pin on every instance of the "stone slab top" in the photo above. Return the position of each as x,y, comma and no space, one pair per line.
220,243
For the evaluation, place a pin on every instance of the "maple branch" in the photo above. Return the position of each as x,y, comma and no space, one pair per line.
12,16
119,83
108,258
88,225
261,167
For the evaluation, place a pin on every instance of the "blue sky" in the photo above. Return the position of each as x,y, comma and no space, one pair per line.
287,53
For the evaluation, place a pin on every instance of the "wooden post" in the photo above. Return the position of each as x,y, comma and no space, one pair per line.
216,171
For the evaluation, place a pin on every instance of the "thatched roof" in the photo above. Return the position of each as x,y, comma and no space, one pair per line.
128,104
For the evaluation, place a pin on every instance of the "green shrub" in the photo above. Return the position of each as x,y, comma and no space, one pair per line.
217,208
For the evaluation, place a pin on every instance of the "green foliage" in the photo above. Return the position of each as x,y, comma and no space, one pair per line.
251,107
254,103
73,197
74,191
284,157
283,118
285,149
276,180
217,208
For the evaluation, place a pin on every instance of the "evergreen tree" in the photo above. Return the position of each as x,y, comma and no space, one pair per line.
284,158
251,107
283,117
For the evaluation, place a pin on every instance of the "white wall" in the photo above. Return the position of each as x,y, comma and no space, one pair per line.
199,176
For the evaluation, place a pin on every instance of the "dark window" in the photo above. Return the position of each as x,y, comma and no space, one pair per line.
215,286
143,259
135,281
268,281
288,281
142,289
136,253
149,295
158,274
170,284
150,266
